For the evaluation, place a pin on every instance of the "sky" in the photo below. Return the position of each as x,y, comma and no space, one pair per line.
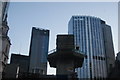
22,16
119,27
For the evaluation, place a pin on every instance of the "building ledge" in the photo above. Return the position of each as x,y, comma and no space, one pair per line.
66,55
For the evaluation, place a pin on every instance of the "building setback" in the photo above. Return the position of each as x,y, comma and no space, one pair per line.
91,35
39,51
4,39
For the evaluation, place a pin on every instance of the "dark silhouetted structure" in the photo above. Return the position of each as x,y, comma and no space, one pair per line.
21,60
115,72
66,58
19,65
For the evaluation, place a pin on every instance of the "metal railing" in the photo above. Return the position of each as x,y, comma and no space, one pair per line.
54,50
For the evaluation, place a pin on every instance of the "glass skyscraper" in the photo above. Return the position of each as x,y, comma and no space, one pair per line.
89,34
39,51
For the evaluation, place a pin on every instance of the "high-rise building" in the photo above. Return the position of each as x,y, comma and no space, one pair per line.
94,38
4,39
39,51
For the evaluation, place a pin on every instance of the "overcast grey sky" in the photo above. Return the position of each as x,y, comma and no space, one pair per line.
54,16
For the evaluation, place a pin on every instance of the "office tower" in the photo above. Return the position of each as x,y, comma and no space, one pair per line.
93,39
4,39
39,51
18,66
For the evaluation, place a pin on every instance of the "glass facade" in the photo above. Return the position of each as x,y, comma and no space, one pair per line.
39,51
88,35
